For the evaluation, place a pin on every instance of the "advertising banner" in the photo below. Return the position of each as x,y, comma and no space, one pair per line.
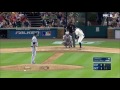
52,33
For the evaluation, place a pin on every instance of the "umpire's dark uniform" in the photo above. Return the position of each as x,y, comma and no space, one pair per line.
71,29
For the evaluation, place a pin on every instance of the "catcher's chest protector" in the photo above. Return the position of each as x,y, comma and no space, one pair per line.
67,38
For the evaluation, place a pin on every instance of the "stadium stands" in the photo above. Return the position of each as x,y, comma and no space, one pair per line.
12,19
51,19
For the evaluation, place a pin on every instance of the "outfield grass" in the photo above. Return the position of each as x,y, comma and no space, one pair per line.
71,58
19,43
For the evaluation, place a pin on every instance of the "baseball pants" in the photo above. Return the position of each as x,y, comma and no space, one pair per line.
80,39
33,54
73,38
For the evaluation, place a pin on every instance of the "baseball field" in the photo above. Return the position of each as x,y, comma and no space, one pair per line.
53,60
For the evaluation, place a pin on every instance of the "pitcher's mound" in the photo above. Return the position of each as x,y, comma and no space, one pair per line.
39,67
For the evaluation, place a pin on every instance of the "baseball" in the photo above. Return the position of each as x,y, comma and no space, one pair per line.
24,70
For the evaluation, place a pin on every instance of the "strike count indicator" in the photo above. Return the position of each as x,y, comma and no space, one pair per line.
101,63
102,66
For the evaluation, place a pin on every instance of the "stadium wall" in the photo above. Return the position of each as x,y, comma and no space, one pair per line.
56,32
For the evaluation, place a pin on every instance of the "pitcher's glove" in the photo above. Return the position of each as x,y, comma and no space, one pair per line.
33,43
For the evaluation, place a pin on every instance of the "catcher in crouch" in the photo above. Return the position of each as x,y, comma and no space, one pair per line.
67,39
79,33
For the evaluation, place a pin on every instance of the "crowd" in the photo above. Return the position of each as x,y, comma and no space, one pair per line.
53,19
113,19
49,19
13,19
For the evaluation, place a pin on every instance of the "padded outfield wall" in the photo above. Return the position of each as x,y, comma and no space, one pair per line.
54,32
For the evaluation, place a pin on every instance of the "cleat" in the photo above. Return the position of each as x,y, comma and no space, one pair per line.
33,62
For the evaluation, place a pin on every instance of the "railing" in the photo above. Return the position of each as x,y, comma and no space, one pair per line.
29,28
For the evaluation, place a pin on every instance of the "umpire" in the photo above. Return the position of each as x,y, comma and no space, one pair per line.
71,29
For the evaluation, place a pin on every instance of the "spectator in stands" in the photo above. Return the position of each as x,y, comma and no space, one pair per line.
3,24
26,23
18,22
23,18
9,24
53,16
13,19
50,25
62,22
42,26
1,18
55,23
44,22
59,15
88,23
118,21
14,24
8,19
118,24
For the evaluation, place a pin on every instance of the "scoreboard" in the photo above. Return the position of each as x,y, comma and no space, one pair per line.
102,63
102,66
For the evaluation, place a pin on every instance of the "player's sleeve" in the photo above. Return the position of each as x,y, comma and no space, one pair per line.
36,42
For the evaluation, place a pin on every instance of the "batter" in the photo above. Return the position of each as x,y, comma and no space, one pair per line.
80,36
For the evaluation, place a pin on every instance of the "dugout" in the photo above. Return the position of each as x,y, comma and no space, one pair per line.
3,33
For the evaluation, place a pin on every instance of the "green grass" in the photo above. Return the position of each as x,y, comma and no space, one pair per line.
71,58
85,59
108,44
19,43
22,58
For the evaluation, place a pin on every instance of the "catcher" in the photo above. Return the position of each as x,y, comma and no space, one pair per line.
67,40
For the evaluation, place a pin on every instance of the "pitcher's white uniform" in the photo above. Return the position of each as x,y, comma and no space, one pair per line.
34,44
79,33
